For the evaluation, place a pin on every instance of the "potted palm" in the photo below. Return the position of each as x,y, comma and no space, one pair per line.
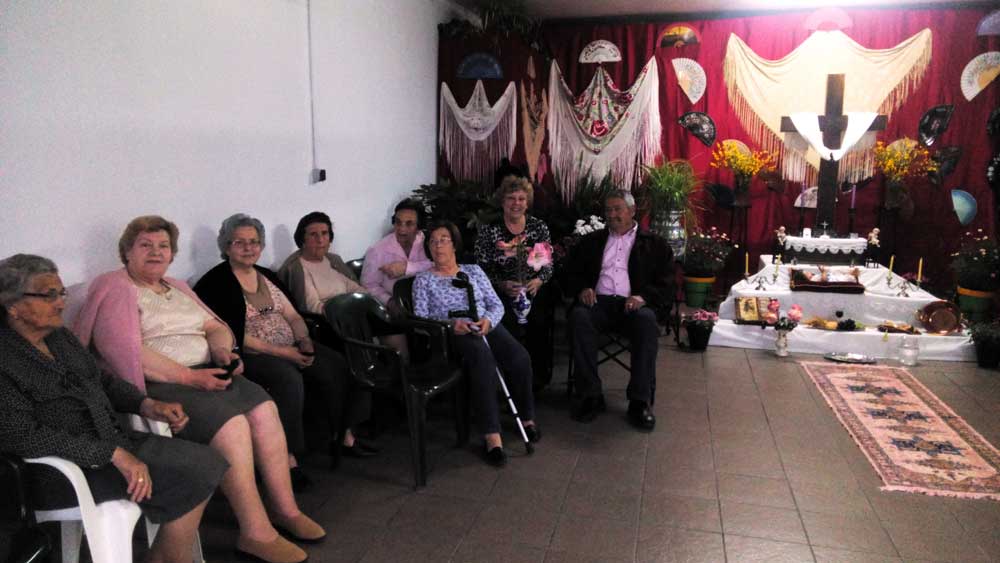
986,337
669,188
977,267
704,257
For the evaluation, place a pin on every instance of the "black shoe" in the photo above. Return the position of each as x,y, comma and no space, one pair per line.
533,433
588,408
366,445
356,451
496,457
300,481
640,415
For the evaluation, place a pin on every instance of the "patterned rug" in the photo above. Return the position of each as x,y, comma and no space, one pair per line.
915,442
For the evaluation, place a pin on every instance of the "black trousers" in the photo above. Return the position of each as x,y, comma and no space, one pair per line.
536,334
609,314
480,364
327,381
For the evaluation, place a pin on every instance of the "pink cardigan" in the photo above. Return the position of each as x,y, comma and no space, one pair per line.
108,324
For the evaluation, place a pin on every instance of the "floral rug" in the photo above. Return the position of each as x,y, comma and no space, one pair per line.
915,442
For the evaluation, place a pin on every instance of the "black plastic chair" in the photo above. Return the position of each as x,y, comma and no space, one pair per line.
356,265
380,368
29,544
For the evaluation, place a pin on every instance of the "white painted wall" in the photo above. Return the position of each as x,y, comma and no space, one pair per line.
196,109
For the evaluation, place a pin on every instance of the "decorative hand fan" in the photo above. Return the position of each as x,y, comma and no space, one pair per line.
978,74
690,77
600,51
722,194
993,123
946,159
990,24
700,125
807,198
679,35
477,66
964,205
934,122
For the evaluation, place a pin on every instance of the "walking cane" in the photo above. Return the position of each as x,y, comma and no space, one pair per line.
462,282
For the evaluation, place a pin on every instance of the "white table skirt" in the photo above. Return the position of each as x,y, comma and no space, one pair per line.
827,245
878,304
868,342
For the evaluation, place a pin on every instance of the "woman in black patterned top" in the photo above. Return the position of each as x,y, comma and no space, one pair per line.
515,196
54,400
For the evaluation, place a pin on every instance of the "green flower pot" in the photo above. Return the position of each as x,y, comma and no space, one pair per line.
697,290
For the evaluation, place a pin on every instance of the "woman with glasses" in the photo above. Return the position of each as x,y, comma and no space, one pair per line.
54,400
154,332
277,351
442,293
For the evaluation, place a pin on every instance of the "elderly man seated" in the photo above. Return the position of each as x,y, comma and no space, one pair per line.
618,276
400,254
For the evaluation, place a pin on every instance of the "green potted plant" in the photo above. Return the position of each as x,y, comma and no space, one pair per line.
699,325
986,337
704,257
669,188
977,269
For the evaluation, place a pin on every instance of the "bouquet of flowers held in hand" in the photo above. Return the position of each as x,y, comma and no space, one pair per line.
773,317
537,257
701,319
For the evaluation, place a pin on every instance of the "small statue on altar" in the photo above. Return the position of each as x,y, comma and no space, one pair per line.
873,237
780,233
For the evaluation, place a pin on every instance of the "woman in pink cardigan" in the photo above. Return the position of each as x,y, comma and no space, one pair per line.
154,332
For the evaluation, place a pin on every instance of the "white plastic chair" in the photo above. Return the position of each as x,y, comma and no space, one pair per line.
108,525
162,429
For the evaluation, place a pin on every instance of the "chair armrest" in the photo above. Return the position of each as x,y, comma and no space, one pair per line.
437,332
362,367
74,474
148,425
17,480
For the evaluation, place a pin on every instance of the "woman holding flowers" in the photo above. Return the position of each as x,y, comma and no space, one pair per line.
516,254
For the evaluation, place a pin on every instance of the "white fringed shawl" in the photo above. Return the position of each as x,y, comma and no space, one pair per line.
762,91
604,130
475,138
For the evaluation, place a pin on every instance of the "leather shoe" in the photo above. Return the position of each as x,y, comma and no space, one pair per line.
533,433
278,550
356,450
640,415
588,408
301,528
496,457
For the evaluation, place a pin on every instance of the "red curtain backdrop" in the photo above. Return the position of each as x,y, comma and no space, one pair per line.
933,230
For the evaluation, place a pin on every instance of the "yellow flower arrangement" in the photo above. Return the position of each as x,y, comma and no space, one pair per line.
903,159
744,164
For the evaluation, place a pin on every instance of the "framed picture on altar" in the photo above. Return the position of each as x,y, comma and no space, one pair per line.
748,309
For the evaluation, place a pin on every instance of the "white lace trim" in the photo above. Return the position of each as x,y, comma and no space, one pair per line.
827,245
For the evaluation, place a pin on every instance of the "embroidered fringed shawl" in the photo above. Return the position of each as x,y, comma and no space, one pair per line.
762,91
475,138
604,130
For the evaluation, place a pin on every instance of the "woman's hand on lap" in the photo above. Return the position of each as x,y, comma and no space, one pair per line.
171,413
207,379
295,355
136,474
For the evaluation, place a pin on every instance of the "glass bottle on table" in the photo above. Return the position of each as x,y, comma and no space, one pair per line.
909,350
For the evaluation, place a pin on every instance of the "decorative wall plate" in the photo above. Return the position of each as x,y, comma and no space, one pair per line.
690,77
978,74
600,51
477,66
700,125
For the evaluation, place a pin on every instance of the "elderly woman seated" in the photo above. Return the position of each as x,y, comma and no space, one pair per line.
313,274
155,333
483,343
278,353
55,401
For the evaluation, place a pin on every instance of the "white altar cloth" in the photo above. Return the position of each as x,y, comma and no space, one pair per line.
876,305
806,340
827,245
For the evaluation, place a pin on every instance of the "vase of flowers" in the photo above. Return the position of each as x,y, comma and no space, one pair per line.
782,325
899,161
669,188
986,337
699,325
537,257
976,265
744,163
704,257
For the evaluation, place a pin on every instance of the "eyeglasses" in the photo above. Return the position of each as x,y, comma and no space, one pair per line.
440,241
50,296
245,243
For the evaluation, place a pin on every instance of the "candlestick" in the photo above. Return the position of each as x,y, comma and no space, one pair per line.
920,270
854,195
850,220
746,264
892,260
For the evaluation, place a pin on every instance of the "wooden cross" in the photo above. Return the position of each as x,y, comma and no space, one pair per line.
833,124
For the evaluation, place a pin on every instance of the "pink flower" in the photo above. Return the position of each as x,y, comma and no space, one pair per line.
770,317
540,255
598,128
774,306
795,314
510,248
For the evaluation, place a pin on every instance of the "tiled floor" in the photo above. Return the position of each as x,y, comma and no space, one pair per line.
747,463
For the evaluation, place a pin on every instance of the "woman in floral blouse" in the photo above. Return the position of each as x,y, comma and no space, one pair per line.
436,296
496,254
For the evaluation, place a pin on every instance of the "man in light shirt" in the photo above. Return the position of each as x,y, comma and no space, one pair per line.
400,254
618,276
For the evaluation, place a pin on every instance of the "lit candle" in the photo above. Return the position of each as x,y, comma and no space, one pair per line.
920,270
854,195
746,267
892,260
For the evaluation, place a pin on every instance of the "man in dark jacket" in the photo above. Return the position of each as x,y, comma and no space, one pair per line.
619,276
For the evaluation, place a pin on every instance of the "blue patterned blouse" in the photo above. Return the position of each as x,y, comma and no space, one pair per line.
434,296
